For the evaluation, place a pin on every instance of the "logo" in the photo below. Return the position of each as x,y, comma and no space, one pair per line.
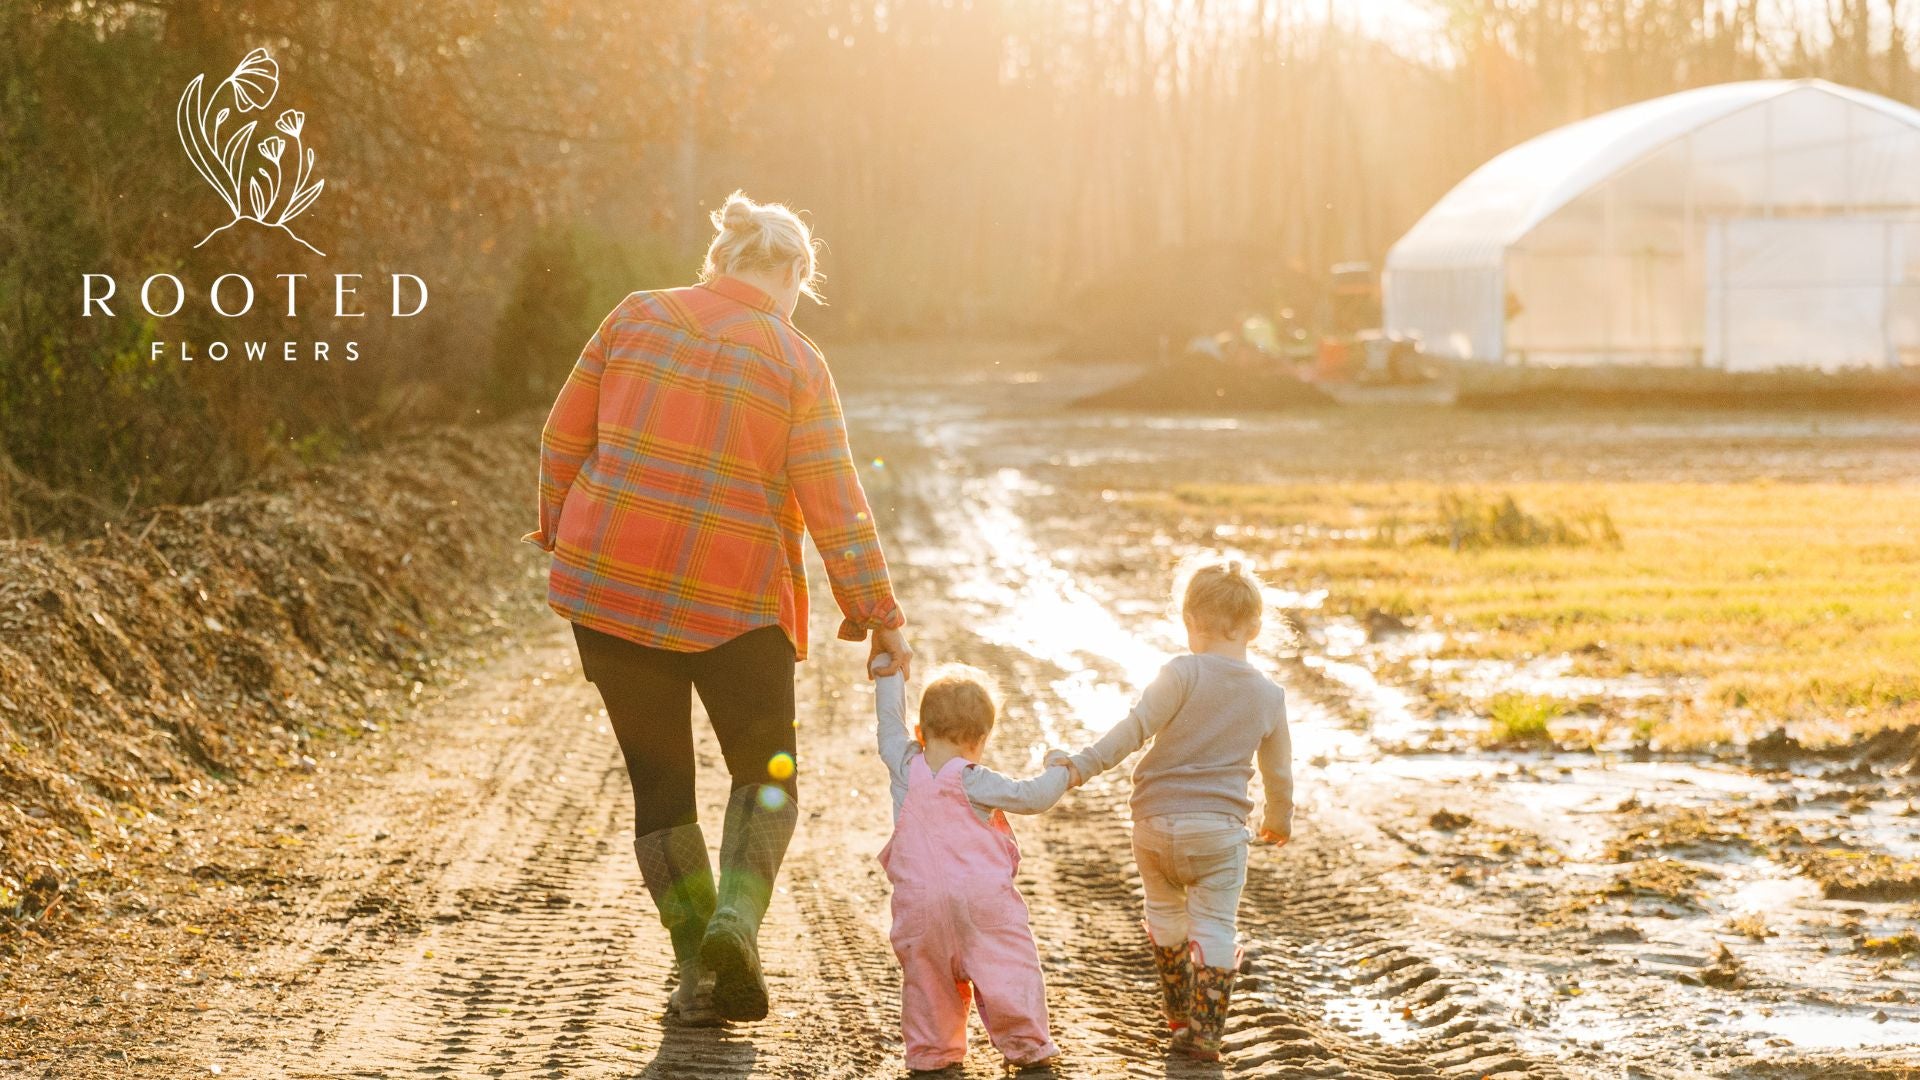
250,177
266,181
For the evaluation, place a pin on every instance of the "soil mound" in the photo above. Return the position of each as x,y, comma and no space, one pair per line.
1896,749
1892,750
200,644
1200,384
1776,749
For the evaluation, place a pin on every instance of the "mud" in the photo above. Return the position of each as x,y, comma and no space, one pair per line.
454,895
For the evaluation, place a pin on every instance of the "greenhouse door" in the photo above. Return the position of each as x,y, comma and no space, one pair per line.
1806,293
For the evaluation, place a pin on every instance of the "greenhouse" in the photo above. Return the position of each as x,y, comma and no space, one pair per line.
1754,226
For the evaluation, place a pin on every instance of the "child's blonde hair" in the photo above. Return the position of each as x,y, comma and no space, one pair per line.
959,705
1221,596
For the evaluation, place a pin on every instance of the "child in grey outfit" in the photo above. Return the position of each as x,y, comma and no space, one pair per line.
1209,715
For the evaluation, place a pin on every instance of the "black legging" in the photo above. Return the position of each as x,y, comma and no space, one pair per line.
747,687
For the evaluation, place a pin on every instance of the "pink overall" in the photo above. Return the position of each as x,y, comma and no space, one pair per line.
960,927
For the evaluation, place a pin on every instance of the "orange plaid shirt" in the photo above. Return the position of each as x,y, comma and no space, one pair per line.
698,437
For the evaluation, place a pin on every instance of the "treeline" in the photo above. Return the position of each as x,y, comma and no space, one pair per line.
490,148
1114,170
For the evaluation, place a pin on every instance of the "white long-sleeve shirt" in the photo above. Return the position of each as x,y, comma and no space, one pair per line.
1209,718
986,789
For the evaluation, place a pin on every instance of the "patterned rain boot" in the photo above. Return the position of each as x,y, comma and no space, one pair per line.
1212,990
1175,965
673,863
760,819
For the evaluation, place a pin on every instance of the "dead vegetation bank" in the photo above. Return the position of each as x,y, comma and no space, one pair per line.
197,646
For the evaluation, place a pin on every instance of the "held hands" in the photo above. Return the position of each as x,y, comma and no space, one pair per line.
1277,839
1060,757
890,655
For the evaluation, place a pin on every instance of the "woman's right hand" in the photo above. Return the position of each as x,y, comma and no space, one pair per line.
893,644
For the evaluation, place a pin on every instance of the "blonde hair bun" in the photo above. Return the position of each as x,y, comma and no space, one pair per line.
768,238
735,216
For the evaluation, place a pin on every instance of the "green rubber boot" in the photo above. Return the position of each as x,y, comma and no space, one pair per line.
760,820
673,863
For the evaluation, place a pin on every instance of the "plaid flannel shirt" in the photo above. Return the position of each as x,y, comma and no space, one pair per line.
698,437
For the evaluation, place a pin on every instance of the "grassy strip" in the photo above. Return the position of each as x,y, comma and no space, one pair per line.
1792,604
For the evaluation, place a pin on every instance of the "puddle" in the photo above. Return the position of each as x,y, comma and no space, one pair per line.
1080,459
1390,713
1774,889
1549,676
1345,654
1104,653
1023,600
1178,423
1369,1018
1279,599
1814,1027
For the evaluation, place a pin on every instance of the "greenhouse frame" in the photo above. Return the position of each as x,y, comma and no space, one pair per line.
1752,226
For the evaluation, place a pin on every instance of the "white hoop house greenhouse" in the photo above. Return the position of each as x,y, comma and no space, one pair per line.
1755,226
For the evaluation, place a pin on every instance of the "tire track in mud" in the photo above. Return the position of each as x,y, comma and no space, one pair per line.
505,932
513,955
528,948
516,980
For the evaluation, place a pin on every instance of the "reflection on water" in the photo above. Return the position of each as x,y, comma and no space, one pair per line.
1815,1027
1021,599
1370,1017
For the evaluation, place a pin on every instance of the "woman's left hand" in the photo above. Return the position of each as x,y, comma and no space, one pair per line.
892,644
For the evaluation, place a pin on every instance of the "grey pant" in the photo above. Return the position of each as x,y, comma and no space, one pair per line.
1192,867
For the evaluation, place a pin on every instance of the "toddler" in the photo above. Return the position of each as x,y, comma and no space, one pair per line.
1209,715
959,925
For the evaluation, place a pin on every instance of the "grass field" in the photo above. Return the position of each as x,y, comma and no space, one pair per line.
1778,603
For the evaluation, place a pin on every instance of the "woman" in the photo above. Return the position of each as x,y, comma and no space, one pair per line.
697,438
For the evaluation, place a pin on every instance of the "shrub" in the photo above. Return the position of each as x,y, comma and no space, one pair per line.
1467,521
1521,719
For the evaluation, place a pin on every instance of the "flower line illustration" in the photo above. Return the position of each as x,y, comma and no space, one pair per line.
224,160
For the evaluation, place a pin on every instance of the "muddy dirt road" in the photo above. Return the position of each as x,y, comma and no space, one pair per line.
467,903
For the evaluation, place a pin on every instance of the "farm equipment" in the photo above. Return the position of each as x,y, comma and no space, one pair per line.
1353,349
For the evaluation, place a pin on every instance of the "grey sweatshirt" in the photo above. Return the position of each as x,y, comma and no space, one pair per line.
1208,717
986,790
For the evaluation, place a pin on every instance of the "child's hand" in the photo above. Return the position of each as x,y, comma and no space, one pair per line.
1277,839
1061,758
